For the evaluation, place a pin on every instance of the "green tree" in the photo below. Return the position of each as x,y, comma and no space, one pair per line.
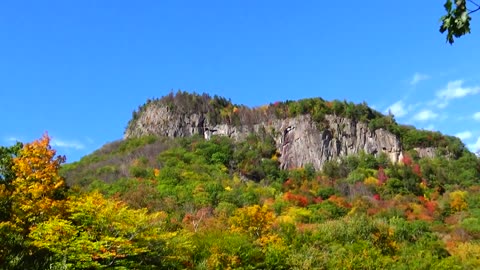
7,175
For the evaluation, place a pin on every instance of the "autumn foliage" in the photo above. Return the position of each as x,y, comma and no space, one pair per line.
75,231
219,204
39,189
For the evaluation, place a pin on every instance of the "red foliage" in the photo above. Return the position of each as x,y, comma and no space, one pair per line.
431,206
288,196
187,218
302,201
377,197
297,199
407,160
416,170
381,176
317,200
340,201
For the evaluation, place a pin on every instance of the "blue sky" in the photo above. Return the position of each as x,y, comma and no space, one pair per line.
77,69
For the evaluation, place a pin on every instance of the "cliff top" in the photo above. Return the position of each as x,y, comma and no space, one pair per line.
216,110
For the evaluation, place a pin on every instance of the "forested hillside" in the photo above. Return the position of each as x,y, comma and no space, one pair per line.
156,202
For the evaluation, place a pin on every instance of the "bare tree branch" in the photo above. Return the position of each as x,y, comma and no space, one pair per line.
474,3
475,10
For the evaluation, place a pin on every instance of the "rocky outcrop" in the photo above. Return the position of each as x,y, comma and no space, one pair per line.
162,121
299,140
302,142
426,152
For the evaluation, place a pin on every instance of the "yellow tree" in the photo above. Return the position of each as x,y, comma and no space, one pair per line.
99,232
458,201
38,189
256,221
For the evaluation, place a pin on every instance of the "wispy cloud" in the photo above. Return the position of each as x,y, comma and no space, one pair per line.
464,135
476,116
454,90
55,142
425,115
11,140
67,144
398,109
418,77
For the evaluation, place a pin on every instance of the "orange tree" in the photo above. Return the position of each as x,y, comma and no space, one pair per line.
39,191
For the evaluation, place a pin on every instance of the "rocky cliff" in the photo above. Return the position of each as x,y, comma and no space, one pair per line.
300,140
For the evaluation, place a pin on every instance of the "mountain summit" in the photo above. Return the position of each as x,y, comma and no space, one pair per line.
307,131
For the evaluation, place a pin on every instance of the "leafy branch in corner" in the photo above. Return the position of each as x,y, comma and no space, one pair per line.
457,20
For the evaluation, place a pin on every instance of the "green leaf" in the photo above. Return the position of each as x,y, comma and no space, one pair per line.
464,17
448,6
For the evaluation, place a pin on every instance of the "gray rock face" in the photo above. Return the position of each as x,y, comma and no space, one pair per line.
298,140
426,152
161,121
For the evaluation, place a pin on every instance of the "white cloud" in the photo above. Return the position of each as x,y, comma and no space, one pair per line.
475,147
464,135
425,115
476,116
398,109
454,90
67,144
418,77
